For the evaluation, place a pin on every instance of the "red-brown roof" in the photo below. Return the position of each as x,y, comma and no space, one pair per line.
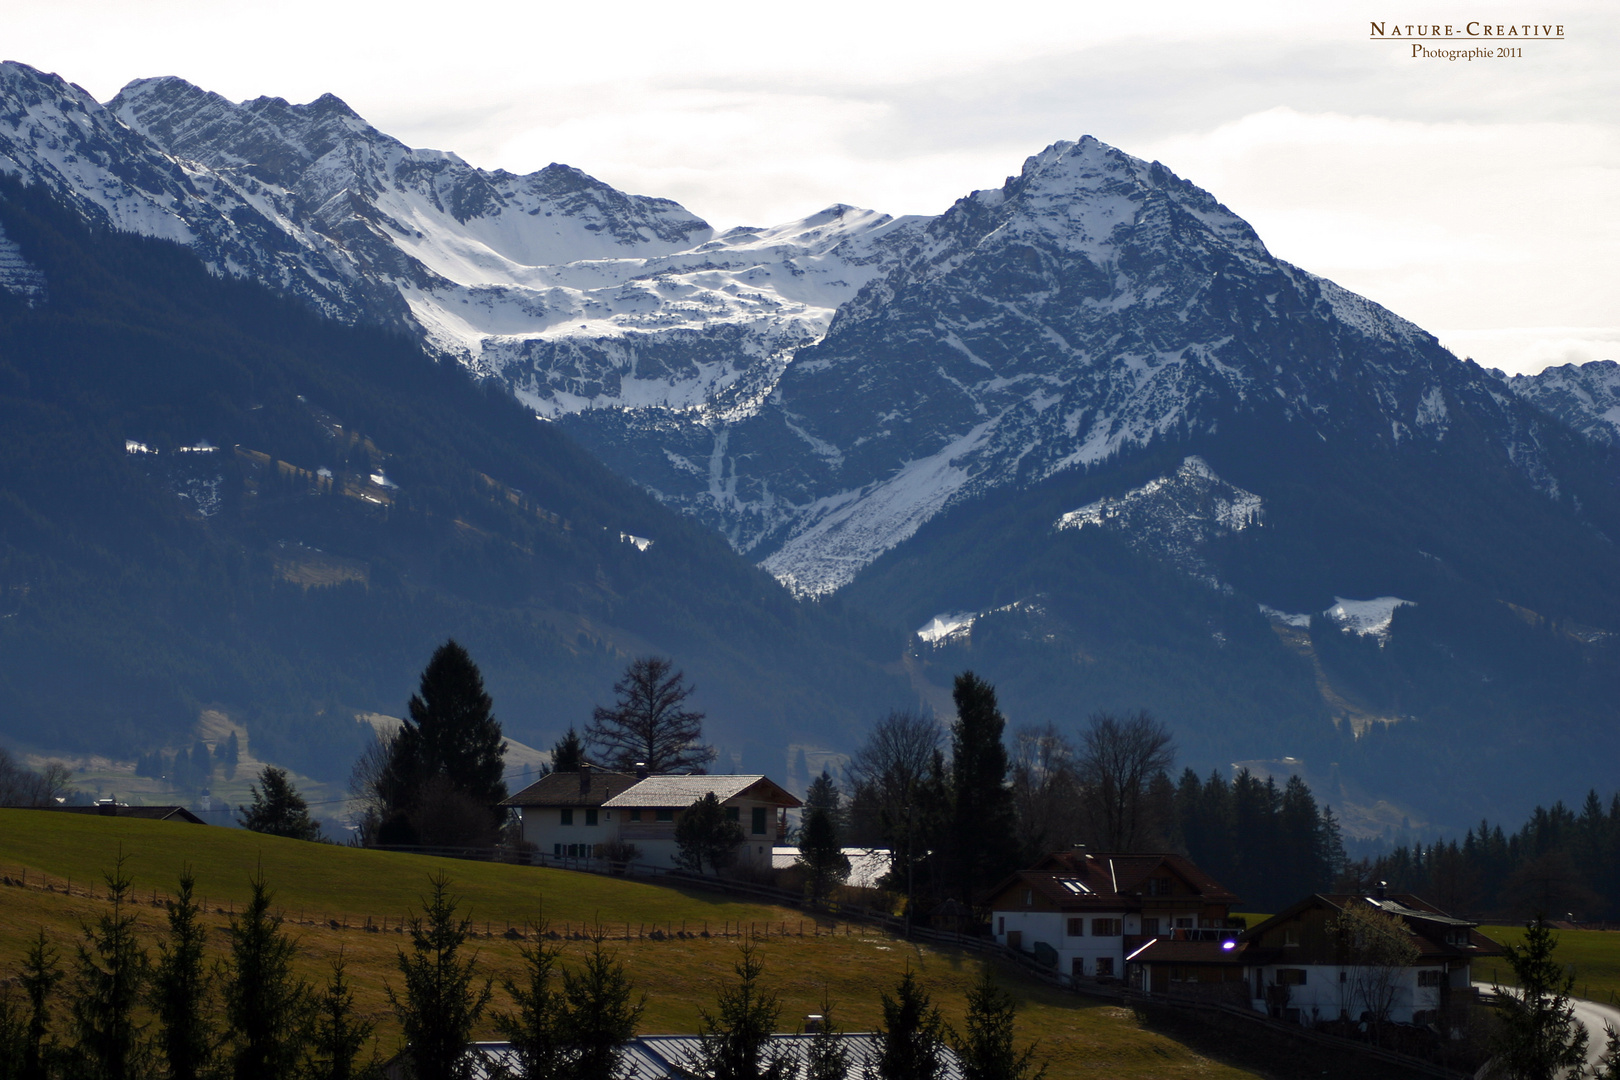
1077,880
1163,950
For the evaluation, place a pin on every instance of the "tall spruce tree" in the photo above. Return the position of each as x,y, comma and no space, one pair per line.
1539,1036
983,824
986,1049
568,753
827,1057
39,978
447,759
535,1026
442,999
267,1007
706,836
340,1031
278,809
109,974
601,1011
824,862
736,1037
911,1041
182,988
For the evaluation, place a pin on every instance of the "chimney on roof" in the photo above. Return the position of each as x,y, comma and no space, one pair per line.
812,1024
641,770
584,776
1383,886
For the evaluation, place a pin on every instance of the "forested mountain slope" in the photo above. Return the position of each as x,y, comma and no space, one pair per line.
215,498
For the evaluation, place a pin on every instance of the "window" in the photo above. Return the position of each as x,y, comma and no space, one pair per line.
759,821
1431,977
557,850
1029,897
1159,886
733,813
665,814
568,815
1291,937
1106,927
590,816
1105,966
1290,976
1150,927
635,815
1077,927
1001,924
1184,924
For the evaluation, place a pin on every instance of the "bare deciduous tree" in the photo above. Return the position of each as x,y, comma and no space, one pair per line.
1046,790
1375,949
648,724
1119,760
886,775
22,786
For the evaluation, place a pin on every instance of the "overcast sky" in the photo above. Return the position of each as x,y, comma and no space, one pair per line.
1481,199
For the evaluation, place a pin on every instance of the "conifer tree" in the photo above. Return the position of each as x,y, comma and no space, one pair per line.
40,976
1539,1036
535,1027
824,862
13,1034
986,1050
983,827
109,973
451,737
442,1000
278,809
267,1008
567,753
737,1035
706,836
909,1044
340,1031
182,988
827,1057
600,1012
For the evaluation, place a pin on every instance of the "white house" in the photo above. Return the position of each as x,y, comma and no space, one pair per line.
647,813
1297,968
1084,913
587,814
563,815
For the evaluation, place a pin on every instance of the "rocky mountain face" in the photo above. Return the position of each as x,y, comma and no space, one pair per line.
1082,432
1584,396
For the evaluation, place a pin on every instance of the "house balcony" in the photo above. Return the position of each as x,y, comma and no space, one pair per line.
1183,933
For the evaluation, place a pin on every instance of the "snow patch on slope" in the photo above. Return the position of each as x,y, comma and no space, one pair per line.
1367,618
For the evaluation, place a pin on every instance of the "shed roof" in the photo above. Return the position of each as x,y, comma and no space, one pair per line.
683,791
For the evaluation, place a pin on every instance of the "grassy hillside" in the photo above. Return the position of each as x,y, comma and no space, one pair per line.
318,886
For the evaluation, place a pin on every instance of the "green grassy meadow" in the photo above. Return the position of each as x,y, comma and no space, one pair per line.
320,885
1595,955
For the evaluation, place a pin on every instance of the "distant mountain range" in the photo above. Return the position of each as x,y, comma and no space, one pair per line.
1082,431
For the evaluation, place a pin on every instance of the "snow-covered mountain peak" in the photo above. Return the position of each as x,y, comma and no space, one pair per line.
1584,396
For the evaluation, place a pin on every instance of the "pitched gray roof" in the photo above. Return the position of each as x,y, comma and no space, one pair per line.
682,791
660,1057
585,788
